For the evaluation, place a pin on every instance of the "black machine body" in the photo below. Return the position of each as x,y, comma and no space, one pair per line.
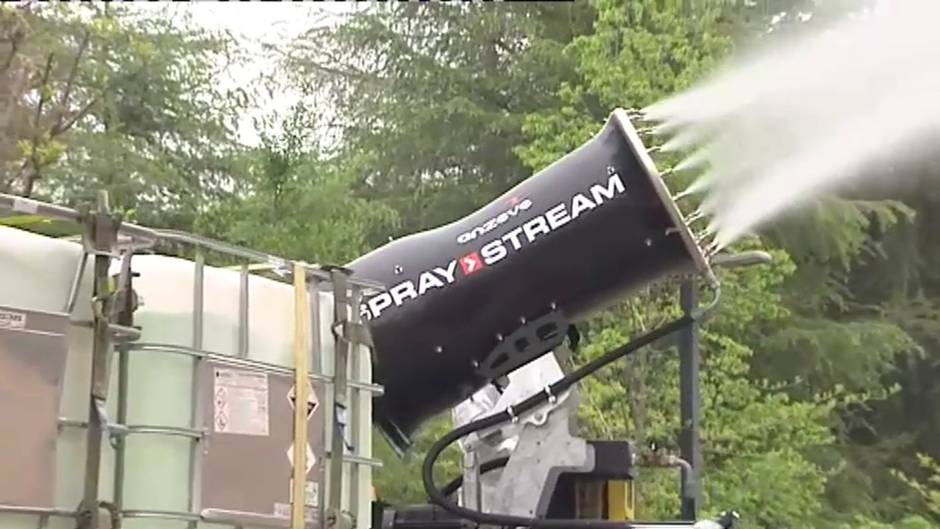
472,300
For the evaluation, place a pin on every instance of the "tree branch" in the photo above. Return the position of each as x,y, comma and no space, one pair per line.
70,82
16,39
14,48
33,158
62,127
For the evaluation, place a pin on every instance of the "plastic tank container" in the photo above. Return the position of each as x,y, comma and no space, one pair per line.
36,273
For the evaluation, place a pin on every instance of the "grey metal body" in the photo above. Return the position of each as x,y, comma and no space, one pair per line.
544,452
541,447
539,444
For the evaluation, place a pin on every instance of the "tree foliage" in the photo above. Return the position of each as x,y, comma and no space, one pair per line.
434,94
105,96
817,369
832,330
296,202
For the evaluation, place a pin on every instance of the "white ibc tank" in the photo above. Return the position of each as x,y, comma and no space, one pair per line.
36,273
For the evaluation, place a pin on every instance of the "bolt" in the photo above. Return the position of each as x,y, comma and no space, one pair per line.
398,270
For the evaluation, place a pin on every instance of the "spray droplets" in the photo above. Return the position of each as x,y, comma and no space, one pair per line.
803,119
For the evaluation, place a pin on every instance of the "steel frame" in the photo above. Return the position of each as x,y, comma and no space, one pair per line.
102,240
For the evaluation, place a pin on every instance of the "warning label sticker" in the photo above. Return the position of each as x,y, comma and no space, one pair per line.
312,501
12,320
309,459
311,491
282,510
240,402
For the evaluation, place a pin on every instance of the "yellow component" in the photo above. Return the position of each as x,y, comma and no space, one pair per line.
620,500
302,389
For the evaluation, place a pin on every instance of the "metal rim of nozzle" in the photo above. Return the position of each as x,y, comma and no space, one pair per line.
624,120
728,260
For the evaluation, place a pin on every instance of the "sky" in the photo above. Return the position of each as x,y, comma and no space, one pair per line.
253,24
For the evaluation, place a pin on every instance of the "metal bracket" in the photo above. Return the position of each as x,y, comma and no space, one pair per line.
340,420
338,519
531,340
335,517
112,430
354,333
526,484
535,377
100,237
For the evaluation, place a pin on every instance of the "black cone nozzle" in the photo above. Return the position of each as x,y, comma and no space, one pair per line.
474,299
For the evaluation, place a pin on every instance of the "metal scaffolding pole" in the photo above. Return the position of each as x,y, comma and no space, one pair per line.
690,402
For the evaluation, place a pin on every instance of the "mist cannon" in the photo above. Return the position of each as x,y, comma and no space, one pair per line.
473,300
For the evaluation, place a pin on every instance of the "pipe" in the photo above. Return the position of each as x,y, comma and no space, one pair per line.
511,414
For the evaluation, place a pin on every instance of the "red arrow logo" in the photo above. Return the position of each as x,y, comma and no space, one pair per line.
471,263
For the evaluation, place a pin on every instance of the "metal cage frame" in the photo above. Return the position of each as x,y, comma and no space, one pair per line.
106,239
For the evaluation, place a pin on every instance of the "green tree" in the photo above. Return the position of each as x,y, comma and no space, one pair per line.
434,95
755,438
109,97
825,338
929,489
399,481
295,202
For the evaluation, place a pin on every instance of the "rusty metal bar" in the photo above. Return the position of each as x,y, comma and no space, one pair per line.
335,518
52,211
100,237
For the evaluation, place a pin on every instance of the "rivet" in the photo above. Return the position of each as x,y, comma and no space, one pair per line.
648,242
438,349
499,337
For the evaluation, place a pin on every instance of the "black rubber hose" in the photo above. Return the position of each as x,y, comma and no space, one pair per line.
438,497
455,483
